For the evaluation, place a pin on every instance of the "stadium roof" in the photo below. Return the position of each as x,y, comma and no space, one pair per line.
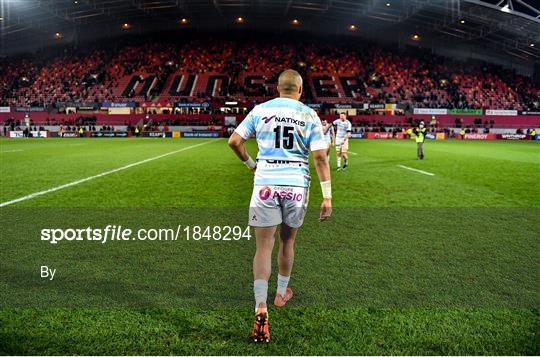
507,26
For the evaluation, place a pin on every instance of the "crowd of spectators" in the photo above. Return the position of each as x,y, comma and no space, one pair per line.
410,77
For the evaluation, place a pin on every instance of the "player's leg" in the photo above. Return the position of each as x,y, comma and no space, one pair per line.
328,153
262,263
338,155
264,217
262,268
294,212
285,263
286,249
345,154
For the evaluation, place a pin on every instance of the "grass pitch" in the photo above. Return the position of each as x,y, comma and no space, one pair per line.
410,263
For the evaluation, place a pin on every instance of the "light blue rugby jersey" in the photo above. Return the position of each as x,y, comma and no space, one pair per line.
342,128
286,130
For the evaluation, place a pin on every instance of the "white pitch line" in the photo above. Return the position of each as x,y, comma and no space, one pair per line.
61,187
416,170
350,152
19,150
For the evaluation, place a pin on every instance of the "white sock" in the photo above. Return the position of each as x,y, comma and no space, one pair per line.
282,282
339,162
260,290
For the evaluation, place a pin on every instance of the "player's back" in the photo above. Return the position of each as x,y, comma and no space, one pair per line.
286,130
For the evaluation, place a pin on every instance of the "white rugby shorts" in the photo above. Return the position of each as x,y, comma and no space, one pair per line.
344,147
273,205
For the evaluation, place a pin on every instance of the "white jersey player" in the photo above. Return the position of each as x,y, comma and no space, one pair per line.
343,133
286,131
329,135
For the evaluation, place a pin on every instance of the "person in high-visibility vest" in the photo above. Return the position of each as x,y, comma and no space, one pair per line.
137,131
81,132
533,134
409,133
462,133
420,133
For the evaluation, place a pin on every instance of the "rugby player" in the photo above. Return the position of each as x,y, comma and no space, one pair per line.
286,131
329,135
343,133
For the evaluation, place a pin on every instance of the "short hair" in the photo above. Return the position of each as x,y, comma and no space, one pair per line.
289,81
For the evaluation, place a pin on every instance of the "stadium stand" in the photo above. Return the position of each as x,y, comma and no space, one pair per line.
216,68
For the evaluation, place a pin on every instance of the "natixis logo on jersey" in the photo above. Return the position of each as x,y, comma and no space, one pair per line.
264,193
284,120
268,119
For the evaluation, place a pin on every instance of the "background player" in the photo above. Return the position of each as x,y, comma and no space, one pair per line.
286,131
329,135
343,133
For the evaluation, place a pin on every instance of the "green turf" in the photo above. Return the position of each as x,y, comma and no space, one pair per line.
410,264
296,331
467,174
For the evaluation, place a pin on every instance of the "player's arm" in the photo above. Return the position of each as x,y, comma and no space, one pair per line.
236,143
322,167
348,134
319,151
239,137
